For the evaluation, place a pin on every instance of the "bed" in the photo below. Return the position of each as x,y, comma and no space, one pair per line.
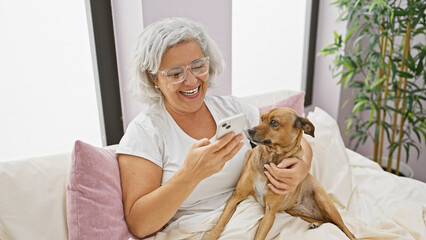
77,195
373,203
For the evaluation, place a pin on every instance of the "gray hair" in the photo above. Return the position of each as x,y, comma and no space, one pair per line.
154,41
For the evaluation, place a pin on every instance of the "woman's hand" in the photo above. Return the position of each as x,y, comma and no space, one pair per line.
205,159
287,175
290,172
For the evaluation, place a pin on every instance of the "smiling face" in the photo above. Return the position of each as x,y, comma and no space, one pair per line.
188,96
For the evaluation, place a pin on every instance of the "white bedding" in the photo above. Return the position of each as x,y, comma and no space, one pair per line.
374,204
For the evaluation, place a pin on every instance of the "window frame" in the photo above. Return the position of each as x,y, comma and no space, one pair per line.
310,49
106,70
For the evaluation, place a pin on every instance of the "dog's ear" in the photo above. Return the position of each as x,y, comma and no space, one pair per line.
305,124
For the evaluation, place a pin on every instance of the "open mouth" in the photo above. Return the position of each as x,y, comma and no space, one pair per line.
192,92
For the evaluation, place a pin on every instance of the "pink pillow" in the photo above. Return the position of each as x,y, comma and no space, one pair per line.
296,102
94,201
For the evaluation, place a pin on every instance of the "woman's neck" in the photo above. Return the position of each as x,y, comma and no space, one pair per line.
198,124
186,116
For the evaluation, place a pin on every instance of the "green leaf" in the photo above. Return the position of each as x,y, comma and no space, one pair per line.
356,4
348,126
421,30
335,2
348,78
423,132
420,68
377,82
337,39
343,15
418,135
404,74
349,33
345,103
372,6
370,120
358,105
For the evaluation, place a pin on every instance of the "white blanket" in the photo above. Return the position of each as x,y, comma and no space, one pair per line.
374,204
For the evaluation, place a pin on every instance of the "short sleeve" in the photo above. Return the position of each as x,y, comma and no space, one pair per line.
142,141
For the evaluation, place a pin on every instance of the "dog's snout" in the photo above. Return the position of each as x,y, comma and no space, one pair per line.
251,132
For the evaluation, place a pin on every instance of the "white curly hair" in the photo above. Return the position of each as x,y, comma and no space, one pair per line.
154,41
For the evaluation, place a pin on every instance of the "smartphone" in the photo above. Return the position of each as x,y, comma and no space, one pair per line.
231,124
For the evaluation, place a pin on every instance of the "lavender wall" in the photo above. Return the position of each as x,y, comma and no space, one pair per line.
128,23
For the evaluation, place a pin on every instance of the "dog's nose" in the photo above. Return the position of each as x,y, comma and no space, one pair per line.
251,132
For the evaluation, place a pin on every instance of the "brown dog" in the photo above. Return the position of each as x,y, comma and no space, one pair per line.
279,136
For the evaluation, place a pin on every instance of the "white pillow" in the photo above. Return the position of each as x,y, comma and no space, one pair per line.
330,163
32,198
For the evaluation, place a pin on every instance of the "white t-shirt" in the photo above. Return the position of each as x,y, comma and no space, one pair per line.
155,136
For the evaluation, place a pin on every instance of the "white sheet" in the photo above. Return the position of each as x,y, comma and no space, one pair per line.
374,204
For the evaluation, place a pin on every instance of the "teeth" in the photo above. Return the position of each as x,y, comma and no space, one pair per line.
190,92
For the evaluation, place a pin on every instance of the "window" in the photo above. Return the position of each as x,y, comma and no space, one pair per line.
271,46
47,95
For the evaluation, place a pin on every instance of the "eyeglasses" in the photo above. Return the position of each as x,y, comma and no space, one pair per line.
198,67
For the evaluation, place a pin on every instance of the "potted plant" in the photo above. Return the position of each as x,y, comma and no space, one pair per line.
381,58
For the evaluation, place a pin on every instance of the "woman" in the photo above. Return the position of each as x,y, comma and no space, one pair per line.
170,164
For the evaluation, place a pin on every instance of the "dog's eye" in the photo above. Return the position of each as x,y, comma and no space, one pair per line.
273,123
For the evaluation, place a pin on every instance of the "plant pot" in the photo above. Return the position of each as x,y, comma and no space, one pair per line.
404,169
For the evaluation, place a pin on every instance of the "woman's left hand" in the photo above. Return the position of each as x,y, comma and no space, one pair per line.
287,175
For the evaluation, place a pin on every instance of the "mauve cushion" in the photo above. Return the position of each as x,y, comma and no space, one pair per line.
94,200
296,102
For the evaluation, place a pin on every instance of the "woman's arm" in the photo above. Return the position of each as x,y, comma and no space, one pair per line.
290,172
148,205
144,198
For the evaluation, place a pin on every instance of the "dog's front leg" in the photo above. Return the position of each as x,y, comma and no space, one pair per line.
272,204
227,213
242,191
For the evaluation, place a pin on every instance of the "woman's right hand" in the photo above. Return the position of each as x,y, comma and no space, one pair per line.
149,204
205,159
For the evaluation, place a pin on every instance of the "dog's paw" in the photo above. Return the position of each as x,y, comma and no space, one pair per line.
314,225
